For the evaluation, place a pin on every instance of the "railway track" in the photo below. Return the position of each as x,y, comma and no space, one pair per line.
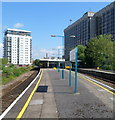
102,80
108,82
12,94
103,75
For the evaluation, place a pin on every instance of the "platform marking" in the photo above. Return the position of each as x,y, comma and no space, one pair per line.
29,99
77,93
101,90
95,81
36,102
98,82
112,99
82,76
16,100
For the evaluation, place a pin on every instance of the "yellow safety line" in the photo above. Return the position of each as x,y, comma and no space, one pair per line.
29,99
98,85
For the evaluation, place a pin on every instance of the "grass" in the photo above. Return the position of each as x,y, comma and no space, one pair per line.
11,72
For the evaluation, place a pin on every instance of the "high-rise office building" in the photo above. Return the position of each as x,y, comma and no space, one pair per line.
81,29
18,46
90,25
104,20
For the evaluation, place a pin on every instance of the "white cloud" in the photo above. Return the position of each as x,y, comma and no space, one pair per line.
41,53
44,51
18,25
1,50
1,45
60,47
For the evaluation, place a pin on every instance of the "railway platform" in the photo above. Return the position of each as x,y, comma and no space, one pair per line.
52,97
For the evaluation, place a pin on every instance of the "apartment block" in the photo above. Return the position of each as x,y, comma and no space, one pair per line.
18,46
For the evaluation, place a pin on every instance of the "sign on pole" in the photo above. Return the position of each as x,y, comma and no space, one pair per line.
74,58
72,55
70,78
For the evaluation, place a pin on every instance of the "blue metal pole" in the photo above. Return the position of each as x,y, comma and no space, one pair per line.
70,74
62,58
76,64
58,67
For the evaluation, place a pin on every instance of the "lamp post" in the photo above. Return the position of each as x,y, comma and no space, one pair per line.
62,36
58,58
58,62
62,53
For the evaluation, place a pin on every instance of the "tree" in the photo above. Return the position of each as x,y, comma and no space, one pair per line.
99,51
36,62
81,55
4,61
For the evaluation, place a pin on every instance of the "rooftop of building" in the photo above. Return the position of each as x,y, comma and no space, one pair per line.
52,60
111,5
17,32
91,14
86,15
9,29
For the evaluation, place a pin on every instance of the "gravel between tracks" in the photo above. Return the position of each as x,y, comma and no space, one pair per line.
12,90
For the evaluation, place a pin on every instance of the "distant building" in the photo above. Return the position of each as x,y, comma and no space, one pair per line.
50,63
104,21
90,25
81,29
18,46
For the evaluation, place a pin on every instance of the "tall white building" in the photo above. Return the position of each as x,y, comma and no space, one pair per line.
18,46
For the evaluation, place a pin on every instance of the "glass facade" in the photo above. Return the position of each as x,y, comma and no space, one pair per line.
102,22
105,20
80,29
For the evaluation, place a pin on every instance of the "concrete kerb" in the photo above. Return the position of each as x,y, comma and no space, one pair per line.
18,98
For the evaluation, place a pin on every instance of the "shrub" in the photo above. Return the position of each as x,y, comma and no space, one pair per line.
9,73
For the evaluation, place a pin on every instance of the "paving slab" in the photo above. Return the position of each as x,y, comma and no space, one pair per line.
48,107
59,100
89,103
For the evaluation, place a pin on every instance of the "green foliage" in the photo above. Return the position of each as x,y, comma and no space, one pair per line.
4,61
99,51
36,62
11,65
113,55
7,79
11,72
81,55
40,64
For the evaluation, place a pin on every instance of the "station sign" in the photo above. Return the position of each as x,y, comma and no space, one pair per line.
73,55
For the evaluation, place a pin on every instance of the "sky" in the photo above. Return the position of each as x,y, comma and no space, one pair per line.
44,19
